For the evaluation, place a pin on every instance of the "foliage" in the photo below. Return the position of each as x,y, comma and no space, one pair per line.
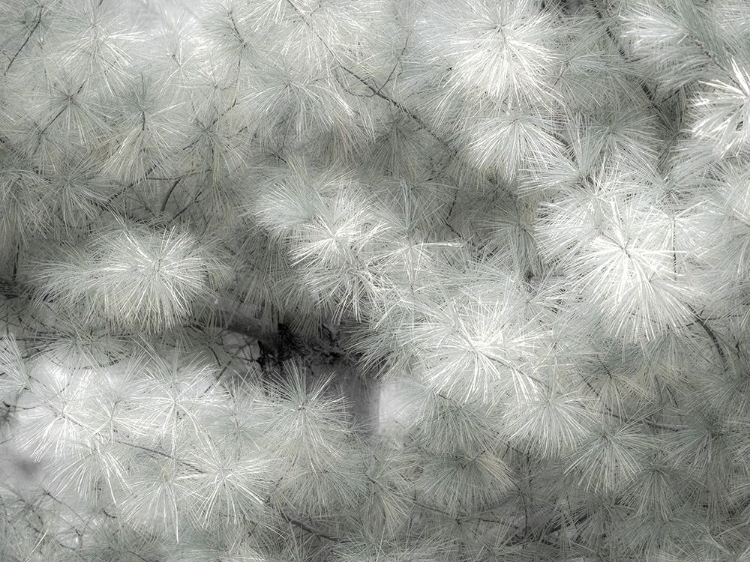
225,228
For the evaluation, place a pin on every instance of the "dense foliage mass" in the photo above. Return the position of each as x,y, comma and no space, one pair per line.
527,220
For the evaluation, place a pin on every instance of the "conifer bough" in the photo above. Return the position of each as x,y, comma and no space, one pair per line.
368,280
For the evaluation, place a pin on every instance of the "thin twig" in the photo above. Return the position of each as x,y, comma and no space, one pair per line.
623,54
373,89
714,340
28,37
168,195
307,528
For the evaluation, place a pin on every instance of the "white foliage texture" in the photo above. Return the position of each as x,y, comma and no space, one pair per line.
374,280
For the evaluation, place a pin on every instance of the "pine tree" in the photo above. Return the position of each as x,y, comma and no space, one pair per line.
367,280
